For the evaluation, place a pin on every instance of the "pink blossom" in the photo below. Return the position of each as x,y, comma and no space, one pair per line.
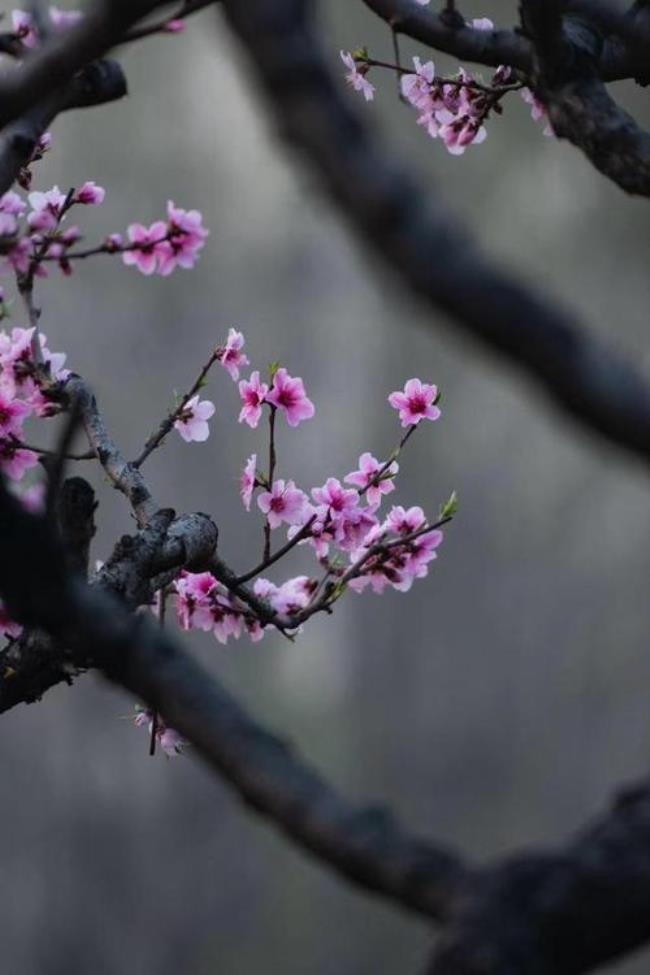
538,110
16,355
353,528
24,28
232,358
482,23
293,595
12,203
193,590
145,246
16,363
54,360
414,564
114,242
283,503
46,209
264,588
227,619
8,225
416,88
333,496
341,514
247,481
8,628
14,461
369,468
19,256
12,206
462,132
32,498
321,529
356,76
254,629
253,394
289,395
192,424
70,236
403,522
186,236
13,413
399,565
63,19
171,742
416,402
202,603
90,194
175,26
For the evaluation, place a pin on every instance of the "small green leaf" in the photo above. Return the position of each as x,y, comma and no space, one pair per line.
449,509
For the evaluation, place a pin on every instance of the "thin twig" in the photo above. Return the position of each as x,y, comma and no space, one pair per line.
167,424
272,462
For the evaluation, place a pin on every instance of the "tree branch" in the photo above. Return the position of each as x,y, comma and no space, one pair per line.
97,84
621,56
564,912
366,845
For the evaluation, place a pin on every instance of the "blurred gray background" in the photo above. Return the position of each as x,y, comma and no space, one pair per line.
496,705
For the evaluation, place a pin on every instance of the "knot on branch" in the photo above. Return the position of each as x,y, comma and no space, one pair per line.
143,563
99,82
566,48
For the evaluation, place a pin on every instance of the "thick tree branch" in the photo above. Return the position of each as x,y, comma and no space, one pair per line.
621,56
54,64
558,913
438,31
367,846
138,567
580,107
100,82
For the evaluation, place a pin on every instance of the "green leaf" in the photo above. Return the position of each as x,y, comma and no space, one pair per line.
450,507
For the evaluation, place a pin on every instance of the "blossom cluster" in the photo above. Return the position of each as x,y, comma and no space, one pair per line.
340,519
26,389
355,544
41,238
454,109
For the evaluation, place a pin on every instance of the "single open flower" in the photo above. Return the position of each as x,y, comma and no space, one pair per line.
192,424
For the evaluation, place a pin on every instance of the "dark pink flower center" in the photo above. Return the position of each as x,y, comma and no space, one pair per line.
417,403
287,398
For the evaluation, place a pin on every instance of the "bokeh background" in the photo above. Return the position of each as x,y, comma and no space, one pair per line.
496,705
